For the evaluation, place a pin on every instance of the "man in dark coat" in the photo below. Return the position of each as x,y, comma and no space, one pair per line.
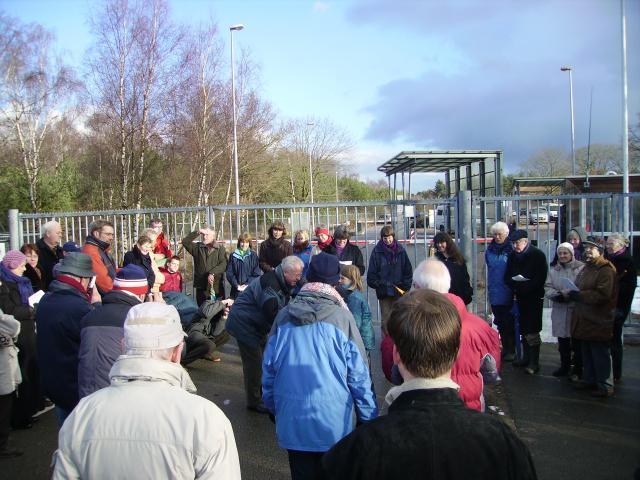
251,318
428,432
50,251
210,263
102,329
526,274
58,321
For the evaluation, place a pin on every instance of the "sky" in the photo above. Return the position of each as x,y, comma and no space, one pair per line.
419,74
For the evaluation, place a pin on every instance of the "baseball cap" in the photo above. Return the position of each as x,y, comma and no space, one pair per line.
153,326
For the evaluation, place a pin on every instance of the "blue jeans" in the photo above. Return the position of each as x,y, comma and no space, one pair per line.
596,359
61,414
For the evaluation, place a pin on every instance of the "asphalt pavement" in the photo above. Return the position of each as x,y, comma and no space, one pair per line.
570,434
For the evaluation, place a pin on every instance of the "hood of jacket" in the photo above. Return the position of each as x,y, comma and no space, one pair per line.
129,368
582,233
312,307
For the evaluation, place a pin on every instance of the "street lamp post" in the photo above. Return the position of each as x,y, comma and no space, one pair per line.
573,135
232,29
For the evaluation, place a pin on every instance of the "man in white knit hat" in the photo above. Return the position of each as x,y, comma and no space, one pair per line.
148,423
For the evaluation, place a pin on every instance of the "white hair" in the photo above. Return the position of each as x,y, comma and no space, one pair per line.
291,262
619,239
47,227
499,227
162,354
432,274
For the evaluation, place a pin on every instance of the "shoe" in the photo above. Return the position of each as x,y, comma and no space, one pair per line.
212,358
579,385
532,370
258,409
602,392
617,381
10,453
563,371
534,357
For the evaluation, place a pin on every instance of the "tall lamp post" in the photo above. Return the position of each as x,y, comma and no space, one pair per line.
573,135
232,29
310,125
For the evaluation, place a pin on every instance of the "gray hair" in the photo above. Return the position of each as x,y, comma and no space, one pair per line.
433,275
619,239
499,227
161,354
47,227
290,263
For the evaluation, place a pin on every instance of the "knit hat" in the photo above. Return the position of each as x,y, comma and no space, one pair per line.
153,326
594,242
71,247
13,259
320,230
78,264
131,278
517,235
324,268
565,245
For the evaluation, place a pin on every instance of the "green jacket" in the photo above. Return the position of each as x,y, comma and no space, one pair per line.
206,261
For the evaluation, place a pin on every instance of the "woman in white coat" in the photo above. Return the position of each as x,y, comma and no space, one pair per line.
561,308
10,378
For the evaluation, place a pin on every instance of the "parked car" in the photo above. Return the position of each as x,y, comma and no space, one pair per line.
538,215
553,209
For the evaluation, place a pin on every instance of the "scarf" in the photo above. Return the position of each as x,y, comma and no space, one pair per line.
616,254
23,283
504,248
91,240
390,251
323,245
62,278
325,288
520,255
241,254
339,250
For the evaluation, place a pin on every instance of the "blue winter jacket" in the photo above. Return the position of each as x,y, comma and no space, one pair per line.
58,320
102,330
253,312
242,270
383,273
496,260
359,308
314,372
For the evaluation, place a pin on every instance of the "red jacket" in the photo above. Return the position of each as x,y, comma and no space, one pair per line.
162,246
172,281
477,339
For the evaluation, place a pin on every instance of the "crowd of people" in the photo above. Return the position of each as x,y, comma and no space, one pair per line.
111,340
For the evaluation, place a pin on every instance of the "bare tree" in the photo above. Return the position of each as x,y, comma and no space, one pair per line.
548,162
33,92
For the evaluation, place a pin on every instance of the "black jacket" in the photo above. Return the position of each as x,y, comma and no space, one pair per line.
136,257
47,259
430,434
627,281
351,253
460,281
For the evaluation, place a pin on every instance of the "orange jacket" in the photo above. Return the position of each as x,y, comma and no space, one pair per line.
104,273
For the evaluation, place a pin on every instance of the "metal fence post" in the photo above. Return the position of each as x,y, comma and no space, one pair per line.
464,228
14,229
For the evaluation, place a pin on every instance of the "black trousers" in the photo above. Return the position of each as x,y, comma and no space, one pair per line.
197,346
305,465
252,372
6,403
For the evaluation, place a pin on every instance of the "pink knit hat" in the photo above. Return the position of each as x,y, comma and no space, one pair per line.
13,259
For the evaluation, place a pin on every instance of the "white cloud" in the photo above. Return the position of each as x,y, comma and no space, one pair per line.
320,7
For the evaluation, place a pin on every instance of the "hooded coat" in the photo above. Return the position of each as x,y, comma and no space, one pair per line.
315,373
561,308
386,273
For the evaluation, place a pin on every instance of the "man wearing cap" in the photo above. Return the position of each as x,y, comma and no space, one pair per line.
209,263
148,424
315,370
526,274
58,322
593,317
252,316
101,329
50,251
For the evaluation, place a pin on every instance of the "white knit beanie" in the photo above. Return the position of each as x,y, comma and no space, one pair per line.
566,245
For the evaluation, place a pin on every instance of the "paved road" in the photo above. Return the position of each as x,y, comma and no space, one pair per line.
570,434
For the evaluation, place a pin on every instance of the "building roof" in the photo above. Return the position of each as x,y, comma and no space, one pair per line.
434,160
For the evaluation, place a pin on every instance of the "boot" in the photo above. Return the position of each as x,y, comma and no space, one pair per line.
524,361
534,357
565,360
508,348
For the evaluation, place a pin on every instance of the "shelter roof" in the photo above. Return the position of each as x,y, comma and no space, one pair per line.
434,160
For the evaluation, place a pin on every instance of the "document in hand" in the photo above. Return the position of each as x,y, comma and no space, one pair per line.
519,278
569,285
35,298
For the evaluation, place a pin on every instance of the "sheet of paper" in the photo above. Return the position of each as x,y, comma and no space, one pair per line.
519,278
346,262
569,285
35,298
